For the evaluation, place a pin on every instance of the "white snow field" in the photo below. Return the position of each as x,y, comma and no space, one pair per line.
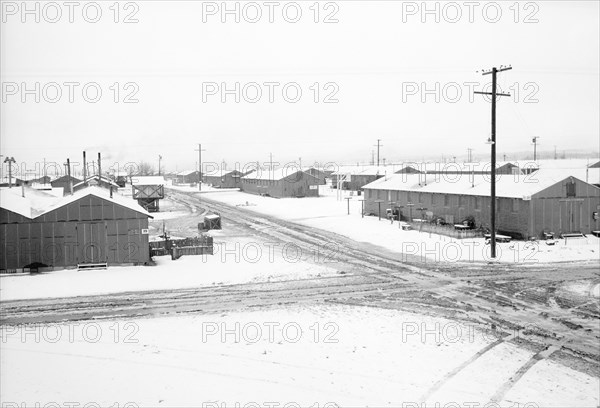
186,272
308,356
318,355
329,213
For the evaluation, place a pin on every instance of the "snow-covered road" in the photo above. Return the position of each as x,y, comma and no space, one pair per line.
320,355
541,343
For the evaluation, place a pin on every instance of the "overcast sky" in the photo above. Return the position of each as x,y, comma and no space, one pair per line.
377,59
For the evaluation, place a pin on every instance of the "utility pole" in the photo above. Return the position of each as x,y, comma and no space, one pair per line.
378,145
469,155
10,161
554,152
494,94
534,141
159,159
200,150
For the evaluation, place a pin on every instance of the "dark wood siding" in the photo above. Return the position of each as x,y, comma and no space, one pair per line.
549,210
59,237
554,211
294,185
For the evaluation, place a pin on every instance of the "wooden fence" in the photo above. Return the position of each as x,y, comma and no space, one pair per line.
178,252
202,245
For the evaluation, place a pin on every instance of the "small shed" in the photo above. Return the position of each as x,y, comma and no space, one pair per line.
148,191
212,221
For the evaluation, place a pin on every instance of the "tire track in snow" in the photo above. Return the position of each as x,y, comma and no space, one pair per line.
440,383
508,385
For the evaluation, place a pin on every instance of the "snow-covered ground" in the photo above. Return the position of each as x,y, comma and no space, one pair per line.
303,355
584,288
248,261
186,272
330,213
310,356
205,188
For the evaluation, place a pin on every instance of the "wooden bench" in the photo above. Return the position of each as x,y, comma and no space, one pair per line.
499,238
92,266
573,235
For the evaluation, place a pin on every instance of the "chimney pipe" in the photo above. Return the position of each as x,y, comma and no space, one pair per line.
23,190
587,174
70,179
99,167
84,169
111,187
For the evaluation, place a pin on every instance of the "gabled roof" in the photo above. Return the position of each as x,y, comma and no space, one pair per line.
41,180
37,203
65,177
276,174
589,175
96,178
147,180
217,173
314,169
352,170
567,164
11,199
376,171
187,172
507,185
453,167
